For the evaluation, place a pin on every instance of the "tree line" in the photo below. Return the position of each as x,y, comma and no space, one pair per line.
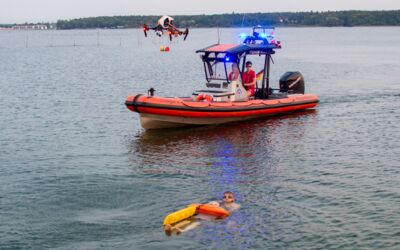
327,19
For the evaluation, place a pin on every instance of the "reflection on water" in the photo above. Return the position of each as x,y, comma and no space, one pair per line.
241,157
251,142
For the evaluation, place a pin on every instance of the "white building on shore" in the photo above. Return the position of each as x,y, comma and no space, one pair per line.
33,27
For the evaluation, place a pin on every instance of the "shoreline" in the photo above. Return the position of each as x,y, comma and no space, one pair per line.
344,18
195,28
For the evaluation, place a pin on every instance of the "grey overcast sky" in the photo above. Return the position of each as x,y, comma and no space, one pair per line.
18,11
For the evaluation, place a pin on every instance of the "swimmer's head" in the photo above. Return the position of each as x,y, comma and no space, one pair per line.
228,197
214,203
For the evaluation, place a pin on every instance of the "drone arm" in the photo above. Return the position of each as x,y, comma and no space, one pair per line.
186,33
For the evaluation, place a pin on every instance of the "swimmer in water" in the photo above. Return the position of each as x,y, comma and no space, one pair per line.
228,202
189,224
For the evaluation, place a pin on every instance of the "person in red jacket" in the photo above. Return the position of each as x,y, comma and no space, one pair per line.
249,79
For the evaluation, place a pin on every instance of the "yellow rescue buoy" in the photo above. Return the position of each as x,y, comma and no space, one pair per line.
180,215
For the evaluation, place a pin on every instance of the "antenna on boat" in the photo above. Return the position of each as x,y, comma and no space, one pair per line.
244,15
219,38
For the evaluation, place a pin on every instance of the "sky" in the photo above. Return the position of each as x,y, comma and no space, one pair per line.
20,11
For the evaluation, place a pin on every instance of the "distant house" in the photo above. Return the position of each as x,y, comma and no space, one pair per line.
30,27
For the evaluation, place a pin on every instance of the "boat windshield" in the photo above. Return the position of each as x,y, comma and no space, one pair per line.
222,71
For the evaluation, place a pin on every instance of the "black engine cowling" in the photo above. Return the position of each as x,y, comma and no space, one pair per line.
292,82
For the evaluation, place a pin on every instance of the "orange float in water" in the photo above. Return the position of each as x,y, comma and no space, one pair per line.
164,48
192,210
211,210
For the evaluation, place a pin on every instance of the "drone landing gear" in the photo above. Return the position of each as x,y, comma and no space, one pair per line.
186,33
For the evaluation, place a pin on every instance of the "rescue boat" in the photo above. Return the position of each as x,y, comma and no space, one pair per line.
225,98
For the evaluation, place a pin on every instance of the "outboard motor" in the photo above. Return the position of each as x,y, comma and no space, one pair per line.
292,83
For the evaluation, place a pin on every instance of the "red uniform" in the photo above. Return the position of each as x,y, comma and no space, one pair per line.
248,77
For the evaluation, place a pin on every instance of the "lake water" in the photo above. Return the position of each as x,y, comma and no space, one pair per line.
78,172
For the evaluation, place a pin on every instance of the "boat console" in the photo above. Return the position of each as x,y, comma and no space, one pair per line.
224,92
